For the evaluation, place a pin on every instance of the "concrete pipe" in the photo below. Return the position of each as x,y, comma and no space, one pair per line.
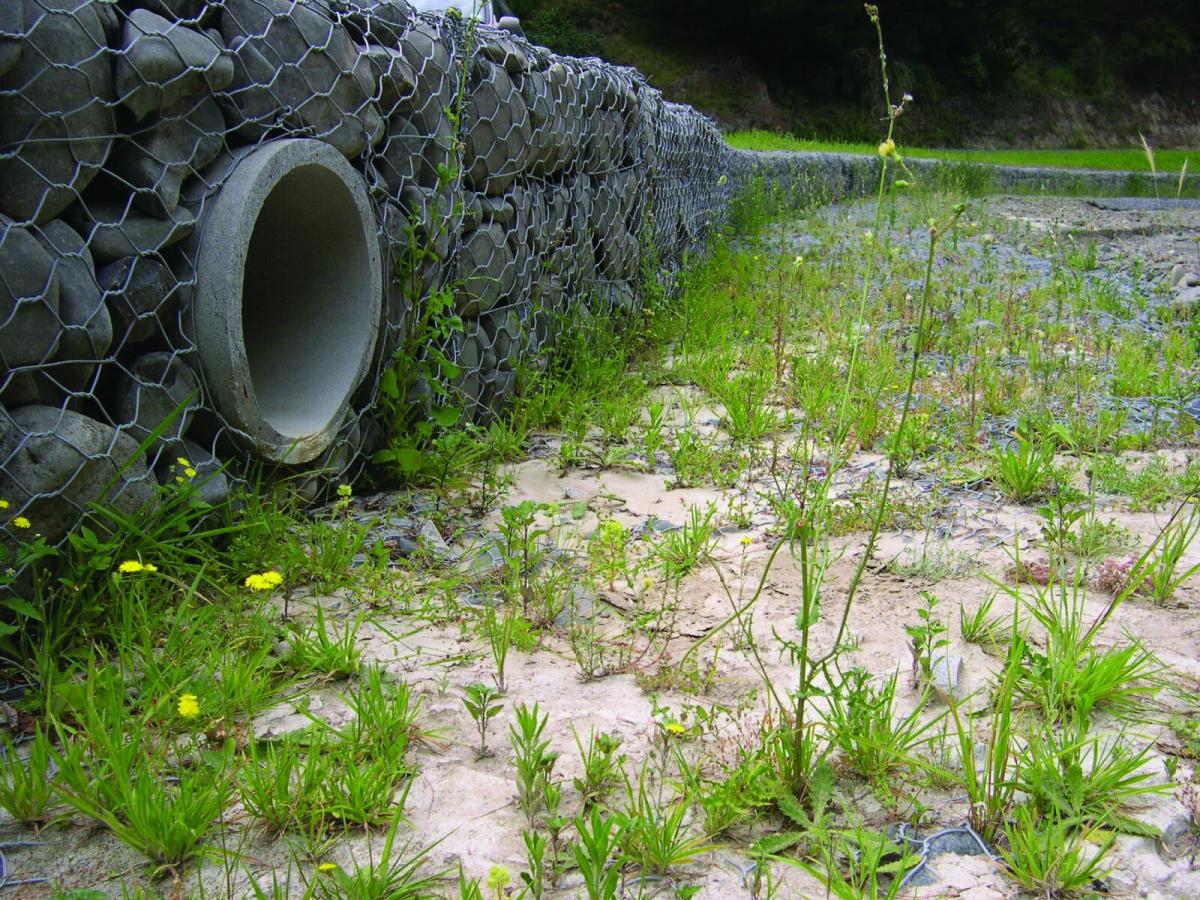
289,296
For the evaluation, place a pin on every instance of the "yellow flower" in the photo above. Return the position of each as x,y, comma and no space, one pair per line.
149,567
130,566
189,472
263,581
887,148
344,490
21,522
3,504
675,728
326,867
746,541
188,706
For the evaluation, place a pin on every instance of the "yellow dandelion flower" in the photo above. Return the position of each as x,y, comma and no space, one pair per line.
183,461
3,504
130,566
675,728
326,867
149,567
189,706
21,522
263,581
189,472
746,541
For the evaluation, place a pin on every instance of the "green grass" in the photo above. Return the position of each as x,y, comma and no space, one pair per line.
1131,160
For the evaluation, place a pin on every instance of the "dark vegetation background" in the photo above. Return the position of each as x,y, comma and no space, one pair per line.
1030,72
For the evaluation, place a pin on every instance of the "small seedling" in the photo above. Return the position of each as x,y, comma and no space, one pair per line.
927,640
480,701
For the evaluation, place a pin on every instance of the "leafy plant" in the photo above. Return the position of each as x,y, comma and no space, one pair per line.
656,835
26,785
1053,857
534,762
927,640
327,651
1022,472
681,551
602,767
599,840
480,701
874,741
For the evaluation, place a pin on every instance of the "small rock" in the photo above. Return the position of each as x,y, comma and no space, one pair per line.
581,608
138,291
946,671
1185,302
1178,838
433,541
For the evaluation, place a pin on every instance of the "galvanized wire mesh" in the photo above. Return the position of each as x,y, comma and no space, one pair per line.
524,184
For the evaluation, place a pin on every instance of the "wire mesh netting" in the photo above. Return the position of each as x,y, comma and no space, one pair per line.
219,222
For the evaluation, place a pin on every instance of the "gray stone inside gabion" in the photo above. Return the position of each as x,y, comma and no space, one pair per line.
157,386
56,109
139,292
29,298
55,463
87,328
162,62
520,201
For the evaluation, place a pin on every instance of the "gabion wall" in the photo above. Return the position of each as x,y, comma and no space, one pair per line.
130,285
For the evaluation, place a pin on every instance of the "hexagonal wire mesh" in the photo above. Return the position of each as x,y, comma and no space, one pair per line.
215,206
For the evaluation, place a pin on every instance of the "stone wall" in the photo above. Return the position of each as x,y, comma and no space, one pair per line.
234,212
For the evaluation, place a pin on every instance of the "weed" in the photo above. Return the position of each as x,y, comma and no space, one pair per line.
26,788
480,701
927,640
395,875
989,778
534,761
324,650
1053,857
1162,571
608,551
980,627
1022,472
655,835
682,550
603,767
500,638
874,742
599,840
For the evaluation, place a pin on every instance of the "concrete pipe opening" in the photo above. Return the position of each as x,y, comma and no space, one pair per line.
289,296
